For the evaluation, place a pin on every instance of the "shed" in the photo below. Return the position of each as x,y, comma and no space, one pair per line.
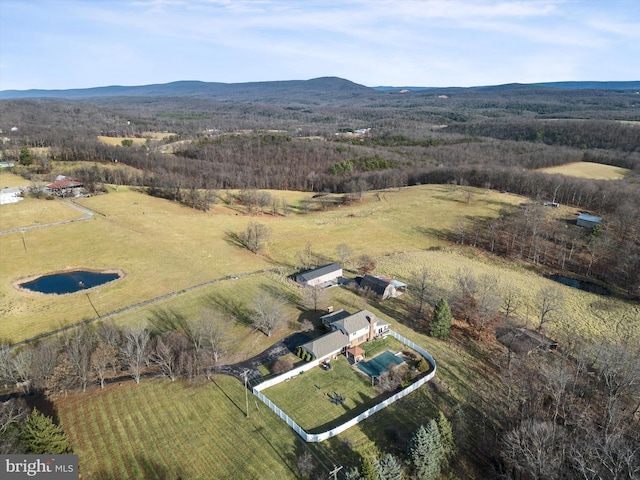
587,221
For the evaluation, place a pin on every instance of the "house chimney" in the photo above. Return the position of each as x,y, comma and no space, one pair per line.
330,309
371,319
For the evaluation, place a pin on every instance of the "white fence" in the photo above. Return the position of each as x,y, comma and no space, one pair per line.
319,437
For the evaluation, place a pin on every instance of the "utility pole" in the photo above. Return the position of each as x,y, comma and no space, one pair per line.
334,472
245,373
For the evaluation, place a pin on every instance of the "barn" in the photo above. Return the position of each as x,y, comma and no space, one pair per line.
321,276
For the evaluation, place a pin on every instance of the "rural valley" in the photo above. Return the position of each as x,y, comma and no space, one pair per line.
484,241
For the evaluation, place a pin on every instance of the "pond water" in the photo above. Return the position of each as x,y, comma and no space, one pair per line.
69,282
581,285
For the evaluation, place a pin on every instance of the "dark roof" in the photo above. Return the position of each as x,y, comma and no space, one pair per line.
358,321
375,284
329,318
319,272
327,344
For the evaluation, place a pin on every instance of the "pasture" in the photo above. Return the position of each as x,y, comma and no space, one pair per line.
593,171
164,247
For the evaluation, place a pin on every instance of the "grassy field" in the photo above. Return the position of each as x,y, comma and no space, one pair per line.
161,430
8,179
136,140
594,171
164,247
31,212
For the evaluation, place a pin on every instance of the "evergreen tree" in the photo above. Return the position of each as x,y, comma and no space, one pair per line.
425,451
446,437
25,156
368,470
353,474
440,326
389,468
40,435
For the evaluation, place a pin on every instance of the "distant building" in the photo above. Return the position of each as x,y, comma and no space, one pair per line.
321,276
383,286
587,221
64,187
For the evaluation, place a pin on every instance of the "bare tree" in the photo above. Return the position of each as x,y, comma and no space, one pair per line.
22,361
255,236
79,345
314,297
268,313
135,350
45,358
533,449
425,287
12,412
103,358
306,257
165,357
511,297
345,254
549,300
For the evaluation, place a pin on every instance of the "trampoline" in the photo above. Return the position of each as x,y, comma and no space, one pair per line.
379,364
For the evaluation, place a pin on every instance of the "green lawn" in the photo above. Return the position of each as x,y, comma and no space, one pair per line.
306,398
162,430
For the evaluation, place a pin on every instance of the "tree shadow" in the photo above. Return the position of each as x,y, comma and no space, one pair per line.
233,308
166,320
234,239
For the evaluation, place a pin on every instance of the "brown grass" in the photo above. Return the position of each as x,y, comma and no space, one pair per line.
593,171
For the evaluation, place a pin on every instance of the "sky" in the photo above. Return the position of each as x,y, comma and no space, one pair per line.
62,44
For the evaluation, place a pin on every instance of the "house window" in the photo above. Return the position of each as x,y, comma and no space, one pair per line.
361,339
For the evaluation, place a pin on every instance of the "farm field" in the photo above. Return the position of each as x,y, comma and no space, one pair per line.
593,171
164,247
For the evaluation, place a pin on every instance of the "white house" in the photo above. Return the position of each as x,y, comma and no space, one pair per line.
347,331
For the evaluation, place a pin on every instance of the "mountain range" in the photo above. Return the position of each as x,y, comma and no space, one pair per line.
335,87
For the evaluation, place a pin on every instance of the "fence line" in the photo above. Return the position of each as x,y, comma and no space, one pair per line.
319,437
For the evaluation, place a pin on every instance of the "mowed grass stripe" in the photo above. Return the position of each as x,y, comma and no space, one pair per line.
180,429
135,425
118,420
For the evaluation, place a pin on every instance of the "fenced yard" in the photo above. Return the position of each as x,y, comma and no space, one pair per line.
306,401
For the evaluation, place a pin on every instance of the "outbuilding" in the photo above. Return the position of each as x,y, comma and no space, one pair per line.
587,221
321,276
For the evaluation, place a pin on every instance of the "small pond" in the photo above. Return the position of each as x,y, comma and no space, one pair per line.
581,285
69,282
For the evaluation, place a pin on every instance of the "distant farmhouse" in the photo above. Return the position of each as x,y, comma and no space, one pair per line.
347,332
383,286
321,276
587,221
64,187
